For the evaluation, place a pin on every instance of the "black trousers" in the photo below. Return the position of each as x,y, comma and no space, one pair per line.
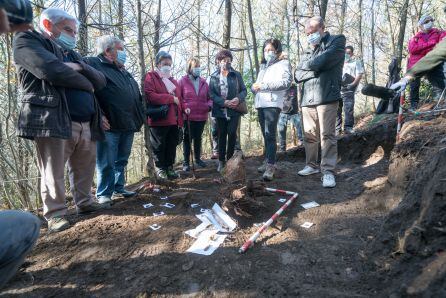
164,141
435,77
227,135
196,131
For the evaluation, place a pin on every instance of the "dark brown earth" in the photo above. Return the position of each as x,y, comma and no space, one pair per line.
380,232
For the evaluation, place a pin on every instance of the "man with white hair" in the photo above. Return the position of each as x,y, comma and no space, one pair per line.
320,73
59,112
121,102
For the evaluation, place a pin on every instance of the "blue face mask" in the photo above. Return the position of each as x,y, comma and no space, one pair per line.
66,41
270,56
314,38
122,57
347,57
196,71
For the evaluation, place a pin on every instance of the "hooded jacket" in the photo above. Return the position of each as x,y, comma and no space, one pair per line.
422,43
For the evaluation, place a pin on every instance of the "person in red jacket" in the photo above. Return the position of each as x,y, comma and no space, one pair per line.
162,89
195,94
419,45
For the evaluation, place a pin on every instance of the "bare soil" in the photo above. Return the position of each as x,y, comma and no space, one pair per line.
384,195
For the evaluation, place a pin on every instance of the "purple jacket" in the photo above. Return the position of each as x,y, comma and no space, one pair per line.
199,104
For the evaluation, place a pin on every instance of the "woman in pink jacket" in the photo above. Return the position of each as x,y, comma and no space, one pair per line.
419,45
195,94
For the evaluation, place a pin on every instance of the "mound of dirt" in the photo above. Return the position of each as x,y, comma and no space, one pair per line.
409,251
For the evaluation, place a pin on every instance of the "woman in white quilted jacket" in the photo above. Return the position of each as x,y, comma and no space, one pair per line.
270,89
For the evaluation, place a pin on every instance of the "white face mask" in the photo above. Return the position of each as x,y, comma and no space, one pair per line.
428,26
166,69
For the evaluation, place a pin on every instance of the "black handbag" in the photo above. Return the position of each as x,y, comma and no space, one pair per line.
157,112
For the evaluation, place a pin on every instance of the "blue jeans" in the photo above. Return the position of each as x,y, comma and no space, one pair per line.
282,127
18,233
112,156
268,118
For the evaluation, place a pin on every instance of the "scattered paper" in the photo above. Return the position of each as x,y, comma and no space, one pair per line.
164,198
155,227
310,205
194,205
227,222
207,243
168,205
156,190
213,221
282,200
194,233
158,213
307,225
258,225
147,206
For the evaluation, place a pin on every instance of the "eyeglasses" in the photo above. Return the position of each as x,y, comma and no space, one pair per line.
428,21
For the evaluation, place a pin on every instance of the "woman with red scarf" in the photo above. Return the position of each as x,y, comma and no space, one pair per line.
165,107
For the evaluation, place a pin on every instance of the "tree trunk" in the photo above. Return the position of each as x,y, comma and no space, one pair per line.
197,37
83,33
156,36
342,20
150,167
227,25
323,8
402,30
253,36
121,19
372,41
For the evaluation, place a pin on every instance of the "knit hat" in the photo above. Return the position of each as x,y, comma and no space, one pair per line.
162,55
423,19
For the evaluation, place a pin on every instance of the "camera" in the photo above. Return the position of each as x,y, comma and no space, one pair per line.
18,11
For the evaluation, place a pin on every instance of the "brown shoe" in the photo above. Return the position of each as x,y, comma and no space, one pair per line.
269,172
57,224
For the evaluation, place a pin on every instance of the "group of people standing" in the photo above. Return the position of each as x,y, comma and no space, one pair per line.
84,111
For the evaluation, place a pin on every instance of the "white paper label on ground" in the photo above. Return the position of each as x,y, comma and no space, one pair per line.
223,219
282,200
307,225
168,205
156,190
310,205
164,198
147,206
207,243
194,233
155,227
202,210
158,213
194,205
258,225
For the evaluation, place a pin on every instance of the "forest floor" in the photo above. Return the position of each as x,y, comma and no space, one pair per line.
380,232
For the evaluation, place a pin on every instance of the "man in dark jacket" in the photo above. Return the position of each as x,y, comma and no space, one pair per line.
320,72
121,103
59,112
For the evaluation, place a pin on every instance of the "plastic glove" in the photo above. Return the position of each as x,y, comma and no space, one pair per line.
401,85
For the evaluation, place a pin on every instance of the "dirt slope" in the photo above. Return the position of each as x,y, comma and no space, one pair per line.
346,253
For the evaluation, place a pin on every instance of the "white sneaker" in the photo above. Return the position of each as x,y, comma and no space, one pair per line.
308,171
328,180
105,201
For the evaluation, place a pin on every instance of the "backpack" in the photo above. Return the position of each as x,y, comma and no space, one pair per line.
290,101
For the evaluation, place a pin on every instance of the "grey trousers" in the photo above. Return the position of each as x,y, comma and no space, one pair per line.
79,153
319,127
18,233
348,104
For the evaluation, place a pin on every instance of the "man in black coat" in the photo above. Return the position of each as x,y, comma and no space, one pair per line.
320,73
59,112
121,102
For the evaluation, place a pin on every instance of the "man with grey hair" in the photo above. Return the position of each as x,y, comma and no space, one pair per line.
121,102
320,74
59,112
